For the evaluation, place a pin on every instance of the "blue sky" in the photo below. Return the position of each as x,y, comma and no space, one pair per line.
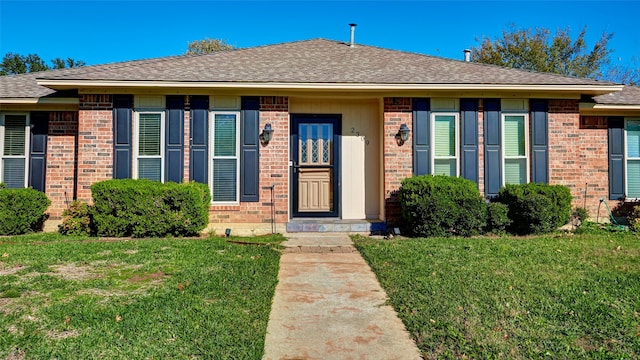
108,31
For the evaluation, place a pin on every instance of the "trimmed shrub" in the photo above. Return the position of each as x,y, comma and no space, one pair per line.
76,220
633,219
442,206
536,208
497,218
22,210
144,208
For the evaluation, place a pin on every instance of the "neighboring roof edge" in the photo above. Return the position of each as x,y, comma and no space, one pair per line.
627,97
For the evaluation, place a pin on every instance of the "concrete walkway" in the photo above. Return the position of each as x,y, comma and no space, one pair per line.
329,305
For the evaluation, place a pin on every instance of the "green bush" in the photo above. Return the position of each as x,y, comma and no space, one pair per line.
22,210
76,220
144,208
633,219
497,218
536,208
442,206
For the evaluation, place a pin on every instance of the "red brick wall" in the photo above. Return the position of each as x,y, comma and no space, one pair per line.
274,170
578,157
187,138
59,186
398,163
481,146
95,142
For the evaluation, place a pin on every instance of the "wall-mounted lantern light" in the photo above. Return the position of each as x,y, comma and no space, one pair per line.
402,135
266,134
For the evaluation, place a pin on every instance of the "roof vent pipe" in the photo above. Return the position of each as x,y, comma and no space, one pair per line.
467,55
352,40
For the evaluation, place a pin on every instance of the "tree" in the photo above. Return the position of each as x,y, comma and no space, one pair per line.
536,50
624,74
13,64
59,63
207,46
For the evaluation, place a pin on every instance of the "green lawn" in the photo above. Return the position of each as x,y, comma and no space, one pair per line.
556,296
66,298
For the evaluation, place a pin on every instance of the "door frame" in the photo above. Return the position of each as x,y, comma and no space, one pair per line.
336,121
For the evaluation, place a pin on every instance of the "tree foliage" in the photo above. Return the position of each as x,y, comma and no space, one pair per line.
624,74
59,63
207,46
13,64
537,50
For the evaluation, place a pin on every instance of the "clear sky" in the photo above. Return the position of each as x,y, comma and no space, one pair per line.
107,31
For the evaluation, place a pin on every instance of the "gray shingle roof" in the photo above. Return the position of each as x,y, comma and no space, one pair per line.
22,86
311,61
317,61
629,95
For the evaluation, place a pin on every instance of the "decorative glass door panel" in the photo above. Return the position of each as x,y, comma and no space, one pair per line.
314,166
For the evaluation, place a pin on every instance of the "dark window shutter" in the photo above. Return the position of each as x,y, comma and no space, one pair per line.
38,151
492,143
122,112
199,128
616,158
174,139
250,150
539,141
469,141
421,137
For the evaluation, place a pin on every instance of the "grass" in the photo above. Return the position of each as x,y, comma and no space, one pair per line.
556,296
64,297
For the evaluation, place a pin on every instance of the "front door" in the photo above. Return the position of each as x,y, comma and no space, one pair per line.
315,154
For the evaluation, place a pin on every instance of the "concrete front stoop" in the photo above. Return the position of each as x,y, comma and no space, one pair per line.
328,304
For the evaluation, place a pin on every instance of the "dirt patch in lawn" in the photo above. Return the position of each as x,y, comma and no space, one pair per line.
9,270
158,275
16,354
5,305
57,335
74,272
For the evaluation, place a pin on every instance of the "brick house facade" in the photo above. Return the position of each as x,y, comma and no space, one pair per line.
348,180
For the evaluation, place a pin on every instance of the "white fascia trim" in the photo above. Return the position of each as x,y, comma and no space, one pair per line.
616,107
325,86
19,100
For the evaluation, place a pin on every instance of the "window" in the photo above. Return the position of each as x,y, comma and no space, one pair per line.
149,146
224,157
14,145
515,157
632,156
445,144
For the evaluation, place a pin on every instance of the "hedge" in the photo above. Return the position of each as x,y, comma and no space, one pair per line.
144,208
22,210
536,208
442,206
